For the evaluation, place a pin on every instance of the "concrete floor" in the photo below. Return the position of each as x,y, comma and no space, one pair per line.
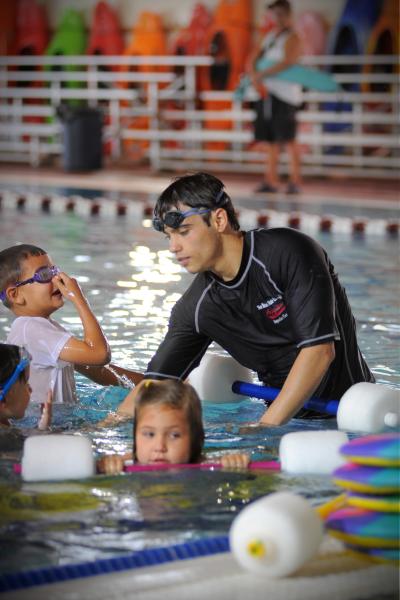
140,179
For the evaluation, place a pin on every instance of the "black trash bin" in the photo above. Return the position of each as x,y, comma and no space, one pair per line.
82,138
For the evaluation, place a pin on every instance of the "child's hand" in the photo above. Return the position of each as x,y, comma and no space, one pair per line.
235,461
69,287
47,412
111,465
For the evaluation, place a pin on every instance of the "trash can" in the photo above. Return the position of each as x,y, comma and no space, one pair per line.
82,136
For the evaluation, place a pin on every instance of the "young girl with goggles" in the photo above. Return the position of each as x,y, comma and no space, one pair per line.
15,390
11,370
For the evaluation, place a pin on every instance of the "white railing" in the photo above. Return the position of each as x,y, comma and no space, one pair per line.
162,117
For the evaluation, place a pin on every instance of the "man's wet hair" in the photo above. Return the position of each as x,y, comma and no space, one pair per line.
199,190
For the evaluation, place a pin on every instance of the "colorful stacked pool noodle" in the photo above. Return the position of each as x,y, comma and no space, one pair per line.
369,524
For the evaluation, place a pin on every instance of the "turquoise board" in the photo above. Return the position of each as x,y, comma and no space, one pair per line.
381,450
367,479
365,527
312,79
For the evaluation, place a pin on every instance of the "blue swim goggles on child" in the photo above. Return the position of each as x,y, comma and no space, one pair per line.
25,359
42,275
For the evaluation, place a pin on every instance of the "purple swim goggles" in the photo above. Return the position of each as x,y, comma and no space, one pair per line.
42,275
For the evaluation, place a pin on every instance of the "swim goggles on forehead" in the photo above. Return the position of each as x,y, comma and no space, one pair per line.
24,361
175,218
42,275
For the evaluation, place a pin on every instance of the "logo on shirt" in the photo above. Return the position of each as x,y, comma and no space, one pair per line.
274,309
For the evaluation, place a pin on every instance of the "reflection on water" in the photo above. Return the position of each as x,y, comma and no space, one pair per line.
132,283
70,522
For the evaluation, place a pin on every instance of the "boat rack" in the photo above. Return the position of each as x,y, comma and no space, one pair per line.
154,112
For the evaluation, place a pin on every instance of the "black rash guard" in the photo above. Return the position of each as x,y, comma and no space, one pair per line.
285,297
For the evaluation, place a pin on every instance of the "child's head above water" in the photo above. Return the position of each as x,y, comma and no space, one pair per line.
15,390
168,425
26,274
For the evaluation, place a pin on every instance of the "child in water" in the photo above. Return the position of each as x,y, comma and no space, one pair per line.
167,429
15,390
33,288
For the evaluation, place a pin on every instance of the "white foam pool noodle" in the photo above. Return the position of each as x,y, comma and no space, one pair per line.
276,535
214,376
312,451
369,408
57,457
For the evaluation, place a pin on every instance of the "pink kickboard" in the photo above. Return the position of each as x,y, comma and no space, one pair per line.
270,465
267,465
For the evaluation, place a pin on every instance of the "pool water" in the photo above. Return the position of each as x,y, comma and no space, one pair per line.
132,283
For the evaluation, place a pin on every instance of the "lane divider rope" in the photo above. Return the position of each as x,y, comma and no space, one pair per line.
249,219
142,558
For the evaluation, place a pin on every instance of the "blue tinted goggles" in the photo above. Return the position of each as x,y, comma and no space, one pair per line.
175,218
25,359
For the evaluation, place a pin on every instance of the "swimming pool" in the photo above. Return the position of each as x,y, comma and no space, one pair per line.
132,283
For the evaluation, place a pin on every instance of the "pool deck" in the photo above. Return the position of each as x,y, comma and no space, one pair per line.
360,193
331,575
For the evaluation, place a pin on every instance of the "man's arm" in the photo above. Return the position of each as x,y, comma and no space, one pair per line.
110,374
126,409
178,354
303,379
175,358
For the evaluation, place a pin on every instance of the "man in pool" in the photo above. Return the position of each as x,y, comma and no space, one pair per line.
270,298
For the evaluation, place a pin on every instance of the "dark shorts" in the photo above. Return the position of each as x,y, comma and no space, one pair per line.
275,120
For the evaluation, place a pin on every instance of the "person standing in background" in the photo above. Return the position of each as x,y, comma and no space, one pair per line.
275,122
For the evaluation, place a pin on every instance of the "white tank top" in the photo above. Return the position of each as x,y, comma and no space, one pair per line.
274,49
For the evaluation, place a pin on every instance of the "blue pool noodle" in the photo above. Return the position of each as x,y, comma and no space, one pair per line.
253,390
104,566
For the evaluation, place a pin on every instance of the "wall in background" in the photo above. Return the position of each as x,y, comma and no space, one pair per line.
177,13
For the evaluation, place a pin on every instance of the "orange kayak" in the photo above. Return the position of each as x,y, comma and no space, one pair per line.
383,39
148,39
228,41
